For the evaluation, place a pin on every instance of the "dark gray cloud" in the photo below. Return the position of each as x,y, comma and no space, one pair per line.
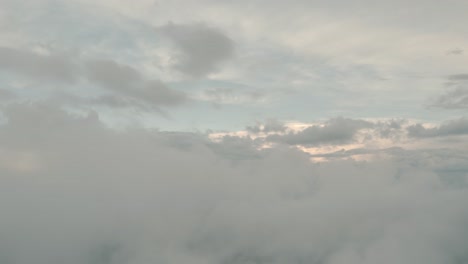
391,128
112,101
458,77
456,94
456,51
74,191
54,67
203,48
335,131
127,81
449,128
123,80
453,98
112,74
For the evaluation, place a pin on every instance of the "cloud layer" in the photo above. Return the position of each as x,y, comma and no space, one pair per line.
75,191
348,166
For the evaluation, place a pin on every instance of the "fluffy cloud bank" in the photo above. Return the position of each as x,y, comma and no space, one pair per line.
75,191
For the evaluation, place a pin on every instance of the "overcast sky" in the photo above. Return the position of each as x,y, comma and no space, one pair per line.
233,132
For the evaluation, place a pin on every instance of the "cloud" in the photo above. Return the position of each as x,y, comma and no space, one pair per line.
356,151
237,148
203,48
53,67
127,81
456,95
6,95
112,74
75,191
335,131
391,128
456,51
122,80
454,98
458,77
449,128
232,95
270,125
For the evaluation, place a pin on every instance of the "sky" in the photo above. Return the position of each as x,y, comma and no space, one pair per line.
233,132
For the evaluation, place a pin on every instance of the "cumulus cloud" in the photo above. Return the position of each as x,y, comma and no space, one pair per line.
335,131
75,191
202,48
449,128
